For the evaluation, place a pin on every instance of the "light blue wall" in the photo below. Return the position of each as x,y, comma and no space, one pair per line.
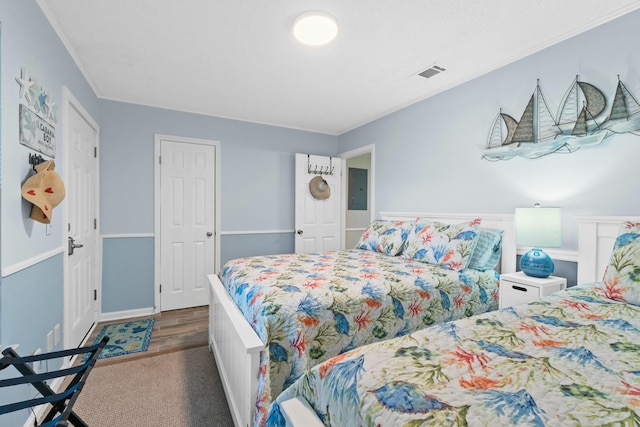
32,301
428,156
257,175
28,320
240,246
126,267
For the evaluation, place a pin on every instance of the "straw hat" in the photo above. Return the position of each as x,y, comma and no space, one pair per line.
45,190
319,188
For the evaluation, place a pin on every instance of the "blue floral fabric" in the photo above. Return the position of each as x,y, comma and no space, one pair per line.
622,277
310,307
569,359
447,245
387,237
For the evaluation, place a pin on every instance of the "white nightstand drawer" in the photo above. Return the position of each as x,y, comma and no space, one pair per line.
518,288
518,293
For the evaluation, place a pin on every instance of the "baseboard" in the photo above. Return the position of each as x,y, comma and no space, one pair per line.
119,315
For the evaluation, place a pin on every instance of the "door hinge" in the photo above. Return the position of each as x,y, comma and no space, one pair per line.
159,160
160,287
95,223
95,152
95,294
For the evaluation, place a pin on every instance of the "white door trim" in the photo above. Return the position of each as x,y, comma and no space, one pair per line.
68,99
156,206
371,148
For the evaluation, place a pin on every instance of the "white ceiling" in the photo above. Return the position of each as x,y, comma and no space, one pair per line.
238,59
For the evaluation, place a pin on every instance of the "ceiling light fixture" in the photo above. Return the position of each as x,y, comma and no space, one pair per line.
315,28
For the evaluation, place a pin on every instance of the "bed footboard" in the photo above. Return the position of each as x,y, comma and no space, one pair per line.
236,348
298,413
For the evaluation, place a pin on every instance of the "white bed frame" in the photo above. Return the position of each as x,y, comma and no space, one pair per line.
596,236
236,346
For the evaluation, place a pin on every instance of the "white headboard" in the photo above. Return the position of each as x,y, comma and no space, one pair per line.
596,237
499,221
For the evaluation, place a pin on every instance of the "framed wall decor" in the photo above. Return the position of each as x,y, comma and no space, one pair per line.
37,116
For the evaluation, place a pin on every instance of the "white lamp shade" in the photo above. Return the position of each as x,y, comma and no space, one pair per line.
539,227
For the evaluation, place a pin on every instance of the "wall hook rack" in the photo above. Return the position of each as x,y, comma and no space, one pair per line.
328,171
35,159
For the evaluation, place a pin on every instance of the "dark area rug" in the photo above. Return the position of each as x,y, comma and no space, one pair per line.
181,388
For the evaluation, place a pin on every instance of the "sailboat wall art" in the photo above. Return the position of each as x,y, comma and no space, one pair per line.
581,121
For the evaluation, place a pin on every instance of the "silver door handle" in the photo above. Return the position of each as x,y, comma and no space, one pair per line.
300,232
209,234
73,245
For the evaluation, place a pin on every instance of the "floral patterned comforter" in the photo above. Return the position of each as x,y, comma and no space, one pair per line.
569,359
310,307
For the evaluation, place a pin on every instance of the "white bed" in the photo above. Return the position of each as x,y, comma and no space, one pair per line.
597,236
236,347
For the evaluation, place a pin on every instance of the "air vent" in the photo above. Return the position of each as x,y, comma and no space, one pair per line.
432,71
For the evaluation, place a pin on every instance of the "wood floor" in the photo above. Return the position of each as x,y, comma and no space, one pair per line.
173,330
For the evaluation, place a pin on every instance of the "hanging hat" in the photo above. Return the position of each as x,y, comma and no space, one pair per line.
319,188
45,190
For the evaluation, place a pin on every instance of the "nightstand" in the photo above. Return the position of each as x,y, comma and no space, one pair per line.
518,288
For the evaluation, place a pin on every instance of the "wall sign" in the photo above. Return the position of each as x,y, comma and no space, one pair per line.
37,116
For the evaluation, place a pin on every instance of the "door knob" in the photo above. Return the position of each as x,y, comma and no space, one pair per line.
209,234
73,245
300,232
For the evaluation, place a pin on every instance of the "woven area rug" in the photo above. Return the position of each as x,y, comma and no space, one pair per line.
177,389
126,337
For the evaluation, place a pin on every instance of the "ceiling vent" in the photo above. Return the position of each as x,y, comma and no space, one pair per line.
432,71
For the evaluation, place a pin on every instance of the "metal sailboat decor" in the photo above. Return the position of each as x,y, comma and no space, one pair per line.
625,112
578,124
532,136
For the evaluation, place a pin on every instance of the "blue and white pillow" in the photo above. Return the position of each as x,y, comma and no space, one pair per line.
486,254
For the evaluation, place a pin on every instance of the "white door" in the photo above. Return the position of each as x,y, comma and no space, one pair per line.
81,284
187,218
318,221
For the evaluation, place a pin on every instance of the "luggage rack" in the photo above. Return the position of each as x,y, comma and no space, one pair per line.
61,413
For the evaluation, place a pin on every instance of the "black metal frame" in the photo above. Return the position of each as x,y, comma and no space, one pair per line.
61,403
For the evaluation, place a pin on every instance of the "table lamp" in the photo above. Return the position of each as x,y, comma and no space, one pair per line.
539,228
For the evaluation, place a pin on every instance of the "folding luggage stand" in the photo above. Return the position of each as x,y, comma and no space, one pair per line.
61,403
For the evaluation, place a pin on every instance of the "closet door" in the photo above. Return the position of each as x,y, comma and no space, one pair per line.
187,218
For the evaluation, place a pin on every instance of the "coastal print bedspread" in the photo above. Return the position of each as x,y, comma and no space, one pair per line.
310,307
570,359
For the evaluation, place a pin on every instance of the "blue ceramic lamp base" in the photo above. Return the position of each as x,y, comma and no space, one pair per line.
536,263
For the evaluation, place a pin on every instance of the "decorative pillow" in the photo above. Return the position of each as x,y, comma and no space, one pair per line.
622,276
486,254
387,237
447,245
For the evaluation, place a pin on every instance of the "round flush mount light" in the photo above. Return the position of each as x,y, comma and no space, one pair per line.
315,28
